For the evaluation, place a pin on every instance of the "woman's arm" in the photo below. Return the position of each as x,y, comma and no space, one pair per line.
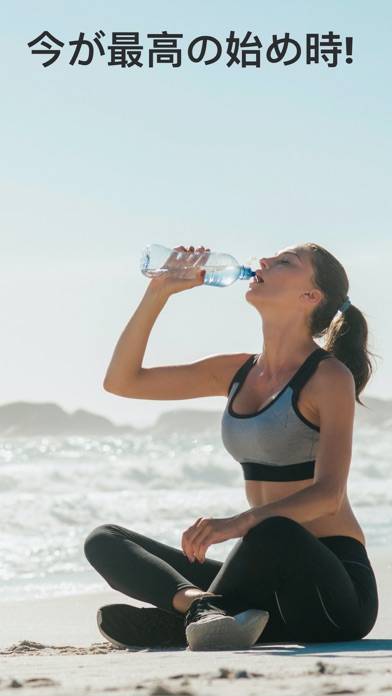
125,375
126,364
304,505
127,358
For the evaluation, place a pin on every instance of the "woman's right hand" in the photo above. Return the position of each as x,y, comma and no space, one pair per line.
168,283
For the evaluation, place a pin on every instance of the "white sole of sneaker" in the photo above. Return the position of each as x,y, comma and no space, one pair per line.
227,632
114,642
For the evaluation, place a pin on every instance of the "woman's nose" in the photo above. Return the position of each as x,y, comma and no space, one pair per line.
263,262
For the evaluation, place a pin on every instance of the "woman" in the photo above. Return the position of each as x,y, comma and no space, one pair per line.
299,570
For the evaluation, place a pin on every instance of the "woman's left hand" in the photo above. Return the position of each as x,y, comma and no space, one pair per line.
210,530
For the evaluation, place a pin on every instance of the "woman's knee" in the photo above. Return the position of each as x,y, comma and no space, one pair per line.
98,538
273,528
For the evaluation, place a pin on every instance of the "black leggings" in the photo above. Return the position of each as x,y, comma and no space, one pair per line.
315,588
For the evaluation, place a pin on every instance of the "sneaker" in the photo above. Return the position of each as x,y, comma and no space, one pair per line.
209,626
126,626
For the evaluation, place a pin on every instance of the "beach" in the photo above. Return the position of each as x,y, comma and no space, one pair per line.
53,646
56,489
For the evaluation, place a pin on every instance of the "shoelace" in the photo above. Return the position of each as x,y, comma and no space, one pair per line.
203,606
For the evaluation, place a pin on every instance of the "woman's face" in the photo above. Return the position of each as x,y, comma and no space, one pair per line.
287,279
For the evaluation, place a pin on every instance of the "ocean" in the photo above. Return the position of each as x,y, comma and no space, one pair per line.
55,490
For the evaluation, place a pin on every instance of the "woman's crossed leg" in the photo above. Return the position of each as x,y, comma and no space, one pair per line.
278,566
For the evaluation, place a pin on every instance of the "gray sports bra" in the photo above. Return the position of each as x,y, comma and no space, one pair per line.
276,443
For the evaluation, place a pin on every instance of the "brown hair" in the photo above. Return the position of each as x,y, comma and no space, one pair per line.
346,334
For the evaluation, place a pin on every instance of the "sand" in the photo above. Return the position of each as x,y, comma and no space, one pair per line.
53,646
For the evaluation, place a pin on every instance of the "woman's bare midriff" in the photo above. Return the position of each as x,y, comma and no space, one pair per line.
343,522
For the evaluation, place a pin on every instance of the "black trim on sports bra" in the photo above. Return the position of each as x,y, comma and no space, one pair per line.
294,404
242,371
254,471
296,382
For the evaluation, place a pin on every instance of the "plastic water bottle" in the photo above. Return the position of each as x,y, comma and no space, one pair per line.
221,269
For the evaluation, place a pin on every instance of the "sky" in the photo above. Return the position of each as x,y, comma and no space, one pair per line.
98,161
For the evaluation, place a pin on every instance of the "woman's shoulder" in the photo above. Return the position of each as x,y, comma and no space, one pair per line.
332,379
330,393
333,368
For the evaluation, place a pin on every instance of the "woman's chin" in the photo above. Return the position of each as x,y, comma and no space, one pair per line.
250,294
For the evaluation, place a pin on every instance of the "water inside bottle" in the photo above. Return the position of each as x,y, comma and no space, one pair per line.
179,270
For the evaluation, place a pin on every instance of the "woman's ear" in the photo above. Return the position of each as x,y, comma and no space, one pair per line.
315,295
